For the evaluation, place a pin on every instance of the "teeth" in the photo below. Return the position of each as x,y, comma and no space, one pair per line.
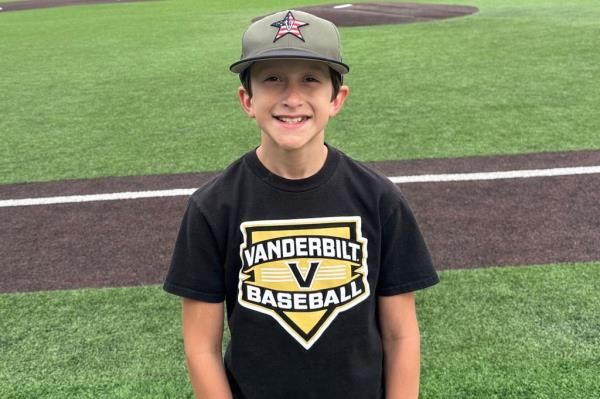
291,120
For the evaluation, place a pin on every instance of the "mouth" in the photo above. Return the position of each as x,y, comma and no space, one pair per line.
291,120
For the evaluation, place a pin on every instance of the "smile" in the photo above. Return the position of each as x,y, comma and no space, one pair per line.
291,120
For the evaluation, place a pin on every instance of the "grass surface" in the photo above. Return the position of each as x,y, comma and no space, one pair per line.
130,89
529,332
144,88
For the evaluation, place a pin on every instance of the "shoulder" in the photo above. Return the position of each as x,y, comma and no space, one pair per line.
362,171
222,187
372,187
364,179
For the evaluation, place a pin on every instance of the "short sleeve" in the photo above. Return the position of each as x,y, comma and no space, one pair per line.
406,263
196,270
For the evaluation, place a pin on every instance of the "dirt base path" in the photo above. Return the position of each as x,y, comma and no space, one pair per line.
467,224
361,14
365,14
35,4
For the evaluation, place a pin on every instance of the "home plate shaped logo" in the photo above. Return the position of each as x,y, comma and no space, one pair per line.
303,272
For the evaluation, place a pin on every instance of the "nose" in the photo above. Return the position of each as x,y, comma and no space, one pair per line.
292,96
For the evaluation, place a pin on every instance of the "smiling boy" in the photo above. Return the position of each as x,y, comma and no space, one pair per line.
315,255
292,102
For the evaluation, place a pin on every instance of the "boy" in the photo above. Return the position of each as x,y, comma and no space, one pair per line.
315,255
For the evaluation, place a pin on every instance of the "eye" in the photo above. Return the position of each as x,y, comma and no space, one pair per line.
272,78
311,79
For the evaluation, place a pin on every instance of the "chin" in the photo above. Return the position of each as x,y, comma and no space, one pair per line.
292,142
286,142
290,146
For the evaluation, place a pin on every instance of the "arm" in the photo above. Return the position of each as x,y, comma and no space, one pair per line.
202,336
401,345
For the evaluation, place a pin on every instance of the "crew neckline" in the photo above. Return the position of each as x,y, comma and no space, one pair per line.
304,184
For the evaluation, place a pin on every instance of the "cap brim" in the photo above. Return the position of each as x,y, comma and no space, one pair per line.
238,67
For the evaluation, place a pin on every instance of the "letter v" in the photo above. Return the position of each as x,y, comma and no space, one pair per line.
304,282
249,255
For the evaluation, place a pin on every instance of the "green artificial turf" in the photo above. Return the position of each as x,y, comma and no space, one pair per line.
526,332
530,332
144,88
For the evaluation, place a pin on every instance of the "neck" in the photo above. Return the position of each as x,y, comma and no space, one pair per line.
292,164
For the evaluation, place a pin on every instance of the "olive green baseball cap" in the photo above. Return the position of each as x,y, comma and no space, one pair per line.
291,34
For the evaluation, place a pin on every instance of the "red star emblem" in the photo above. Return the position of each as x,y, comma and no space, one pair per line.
289,24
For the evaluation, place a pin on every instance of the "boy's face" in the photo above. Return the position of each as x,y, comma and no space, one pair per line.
291,102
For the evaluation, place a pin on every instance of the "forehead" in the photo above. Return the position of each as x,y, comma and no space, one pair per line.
290,66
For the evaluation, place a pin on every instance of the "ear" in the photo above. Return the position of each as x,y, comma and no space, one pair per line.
338,101
246,102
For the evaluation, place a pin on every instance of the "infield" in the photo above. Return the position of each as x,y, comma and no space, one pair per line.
361,14
35,4
140,90
366,14
468,224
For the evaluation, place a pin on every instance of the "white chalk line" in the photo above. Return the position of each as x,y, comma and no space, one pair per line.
509,174
96,197
433,178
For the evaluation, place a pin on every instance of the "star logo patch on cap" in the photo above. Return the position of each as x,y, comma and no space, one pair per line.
288,25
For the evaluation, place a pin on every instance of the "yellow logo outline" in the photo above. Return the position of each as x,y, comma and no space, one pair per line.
333,254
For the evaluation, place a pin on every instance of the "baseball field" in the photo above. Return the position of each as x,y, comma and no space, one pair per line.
113,113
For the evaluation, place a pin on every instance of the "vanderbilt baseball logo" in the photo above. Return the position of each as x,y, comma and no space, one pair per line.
303,272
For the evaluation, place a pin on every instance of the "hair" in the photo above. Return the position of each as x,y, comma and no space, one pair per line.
336,81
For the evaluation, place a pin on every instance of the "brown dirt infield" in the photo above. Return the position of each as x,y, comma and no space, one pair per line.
361,14
35,4
467,224
365,14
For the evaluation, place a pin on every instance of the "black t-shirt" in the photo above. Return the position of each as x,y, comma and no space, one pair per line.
300,264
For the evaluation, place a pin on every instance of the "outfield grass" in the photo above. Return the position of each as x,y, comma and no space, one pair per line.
143,88
130,89
528,332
